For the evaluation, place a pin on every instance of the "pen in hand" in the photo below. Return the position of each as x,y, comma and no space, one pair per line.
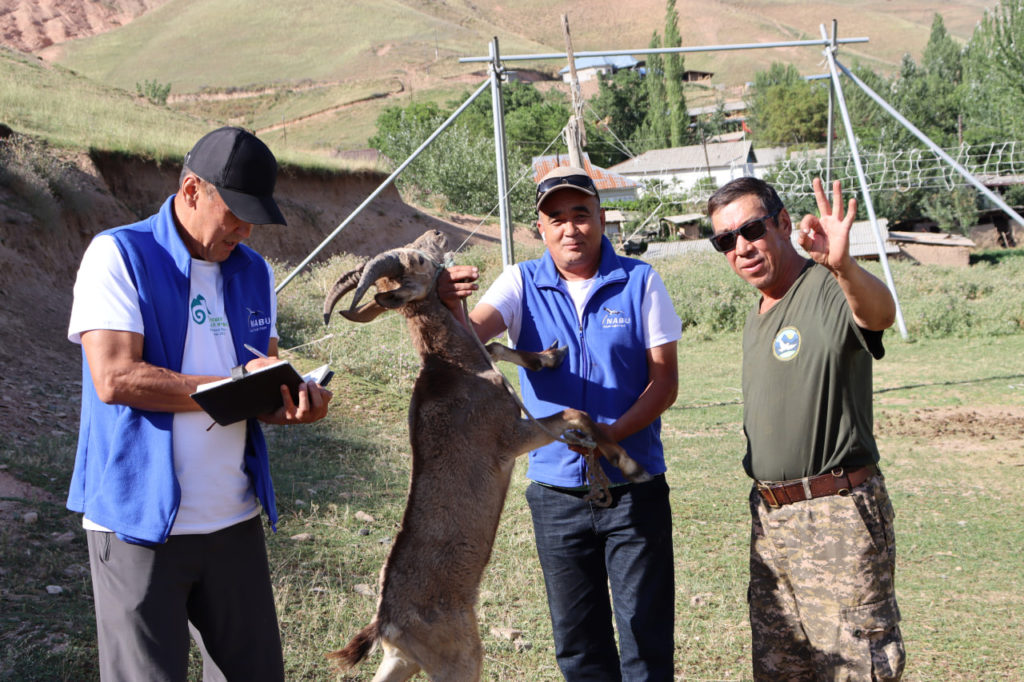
254,351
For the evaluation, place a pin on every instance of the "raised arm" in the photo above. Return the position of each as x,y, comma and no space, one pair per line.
827,240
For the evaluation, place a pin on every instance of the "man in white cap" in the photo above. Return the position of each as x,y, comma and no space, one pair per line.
615,316
171,502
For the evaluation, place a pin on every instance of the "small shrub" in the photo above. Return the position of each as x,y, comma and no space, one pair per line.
942,316
154,91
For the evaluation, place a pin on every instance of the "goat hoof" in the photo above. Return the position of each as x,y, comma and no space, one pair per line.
641,476
630,468
553,355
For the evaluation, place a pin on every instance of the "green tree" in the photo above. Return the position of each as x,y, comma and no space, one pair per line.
655,132
678,119
868,119
993,66
620,109
929,95
956,210
786,109
458,169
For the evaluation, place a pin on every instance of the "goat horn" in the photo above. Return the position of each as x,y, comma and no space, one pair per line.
387,264
345,284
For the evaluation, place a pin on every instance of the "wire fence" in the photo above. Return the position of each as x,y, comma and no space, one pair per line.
906,169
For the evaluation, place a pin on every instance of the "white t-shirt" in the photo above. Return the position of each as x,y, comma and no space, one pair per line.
215,490
661,324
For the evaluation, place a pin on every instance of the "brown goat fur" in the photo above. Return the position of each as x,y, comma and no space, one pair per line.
466,430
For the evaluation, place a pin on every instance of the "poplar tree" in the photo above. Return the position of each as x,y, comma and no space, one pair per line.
655,129
994,75
675,100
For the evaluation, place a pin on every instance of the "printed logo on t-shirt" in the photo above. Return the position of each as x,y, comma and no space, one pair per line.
218,325
615,318
786,344
258,320
199,311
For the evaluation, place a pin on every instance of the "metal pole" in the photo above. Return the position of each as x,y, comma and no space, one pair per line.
383,185
662,50
507,255
995,198
868,204
831,113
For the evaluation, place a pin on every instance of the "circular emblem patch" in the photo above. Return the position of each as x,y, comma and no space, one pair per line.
786,344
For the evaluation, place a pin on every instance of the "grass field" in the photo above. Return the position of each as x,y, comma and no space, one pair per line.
949,416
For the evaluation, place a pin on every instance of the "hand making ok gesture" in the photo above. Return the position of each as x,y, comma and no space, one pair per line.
826,239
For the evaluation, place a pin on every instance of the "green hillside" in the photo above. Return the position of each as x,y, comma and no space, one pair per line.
188,43
313,75
74,112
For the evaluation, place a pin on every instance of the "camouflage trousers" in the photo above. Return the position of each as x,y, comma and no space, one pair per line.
822,603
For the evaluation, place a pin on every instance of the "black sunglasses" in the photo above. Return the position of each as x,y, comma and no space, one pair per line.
581,181
752,230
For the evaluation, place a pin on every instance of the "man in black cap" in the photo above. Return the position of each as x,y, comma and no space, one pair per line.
170,502
617,321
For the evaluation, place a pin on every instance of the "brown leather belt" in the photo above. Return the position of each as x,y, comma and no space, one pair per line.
839,481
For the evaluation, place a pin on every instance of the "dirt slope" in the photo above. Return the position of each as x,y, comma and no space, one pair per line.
30,25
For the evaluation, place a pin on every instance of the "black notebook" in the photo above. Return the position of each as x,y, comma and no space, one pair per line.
254,393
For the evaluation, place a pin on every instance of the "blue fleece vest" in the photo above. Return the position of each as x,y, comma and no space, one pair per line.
124,467
605,370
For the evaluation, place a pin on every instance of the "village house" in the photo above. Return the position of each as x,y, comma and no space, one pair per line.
679,169
594,68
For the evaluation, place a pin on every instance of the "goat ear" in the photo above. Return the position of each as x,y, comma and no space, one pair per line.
394,298
364,313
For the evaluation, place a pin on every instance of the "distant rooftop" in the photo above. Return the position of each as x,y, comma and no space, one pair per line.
603,179
714,155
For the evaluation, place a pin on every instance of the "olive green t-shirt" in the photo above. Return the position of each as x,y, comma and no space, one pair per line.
807,383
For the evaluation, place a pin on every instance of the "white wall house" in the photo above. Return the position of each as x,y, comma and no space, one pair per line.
680,168
591,68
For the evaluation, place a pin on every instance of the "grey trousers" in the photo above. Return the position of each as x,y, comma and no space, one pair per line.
147,597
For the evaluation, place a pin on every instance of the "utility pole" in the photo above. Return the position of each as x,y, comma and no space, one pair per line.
575,135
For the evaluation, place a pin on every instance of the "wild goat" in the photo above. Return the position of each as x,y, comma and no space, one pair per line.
466,431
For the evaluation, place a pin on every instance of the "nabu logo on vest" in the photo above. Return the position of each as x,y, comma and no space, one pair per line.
786,344
198,308
615,318
258,320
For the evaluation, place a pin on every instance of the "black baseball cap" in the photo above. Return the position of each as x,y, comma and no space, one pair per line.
564,177
243,170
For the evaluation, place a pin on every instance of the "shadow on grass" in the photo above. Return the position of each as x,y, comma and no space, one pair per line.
995,257
958,382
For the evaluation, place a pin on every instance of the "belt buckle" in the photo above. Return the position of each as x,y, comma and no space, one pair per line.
766,491
838,473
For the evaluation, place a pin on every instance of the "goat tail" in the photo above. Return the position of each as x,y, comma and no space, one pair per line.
359,648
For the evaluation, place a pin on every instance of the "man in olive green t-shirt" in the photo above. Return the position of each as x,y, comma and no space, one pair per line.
822,553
